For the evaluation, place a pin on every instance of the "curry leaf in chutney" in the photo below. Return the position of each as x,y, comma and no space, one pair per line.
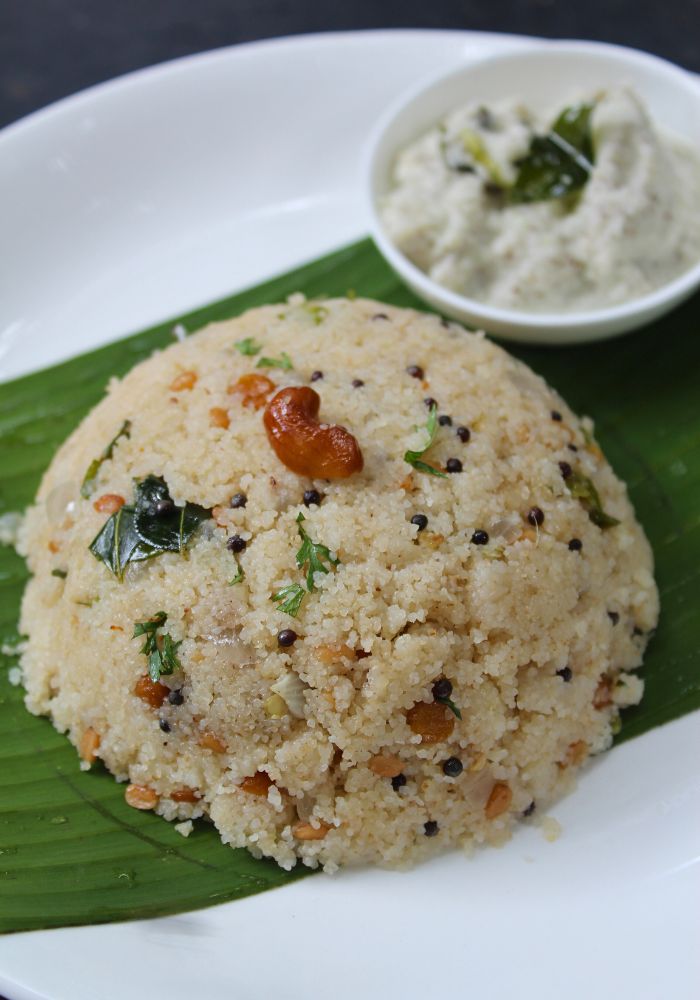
558,163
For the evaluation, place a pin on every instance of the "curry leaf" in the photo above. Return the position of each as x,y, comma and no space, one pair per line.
558,163
582,488
159,523
88,484
151,526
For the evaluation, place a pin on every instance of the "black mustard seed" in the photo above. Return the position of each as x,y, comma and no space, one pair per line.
164,507
357,383
565,673
398,781
480,537
614,617
312,496
238,500
535,516
420,521
565,469
430,828
530,809
315,376
415,371
430,402
575,545
463,433
445,420
164,725
452,767
453,465
442,688
556,415
236,544
287,637
176,697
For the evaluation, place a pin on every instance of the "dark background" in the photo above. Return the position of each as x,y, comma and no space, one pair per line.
51,48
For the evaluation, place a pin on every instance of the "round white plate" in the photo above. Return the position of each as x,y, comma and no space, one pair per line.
170,188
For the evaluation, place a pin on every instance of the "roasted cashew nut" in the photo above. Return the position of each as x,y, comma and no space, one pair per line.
307,447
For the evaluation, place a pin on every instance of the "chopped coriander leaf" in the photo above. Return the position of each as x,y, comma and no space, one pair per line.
451,705
248,347
318,313
62,573
312,554
414,458
240,575
88,484
284,362
161,650
582,488
291,597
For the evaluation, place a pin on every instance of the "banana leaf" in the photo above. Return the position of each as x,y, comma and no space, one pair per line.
71,850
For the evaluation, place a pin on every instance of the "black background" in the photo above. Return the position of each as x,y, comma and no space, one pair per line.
51,48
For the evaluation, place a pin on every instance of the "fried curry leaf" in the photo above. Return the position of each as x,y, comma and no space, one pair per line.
414,458
582,488
118,543
88,484
161,650
558,163
290,597
153,524
159,523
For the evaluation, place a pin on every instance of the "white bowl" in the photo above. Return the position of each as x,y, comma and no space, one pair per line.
533,75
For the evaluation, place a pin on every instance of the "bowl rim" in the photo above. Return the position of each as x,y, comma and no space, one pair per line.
650,303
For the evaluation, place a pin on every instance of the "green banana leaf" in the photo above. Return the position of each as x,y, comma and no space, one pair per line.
71,851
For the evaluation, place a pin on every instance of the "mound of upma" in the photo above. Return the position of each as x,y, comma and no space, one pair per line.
347,580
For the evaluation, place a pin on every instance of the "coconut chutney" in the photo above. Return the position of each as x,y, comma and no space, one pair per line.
629,223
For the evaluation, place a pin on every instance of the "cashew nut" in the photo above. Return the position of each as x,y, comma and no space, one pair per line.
307,447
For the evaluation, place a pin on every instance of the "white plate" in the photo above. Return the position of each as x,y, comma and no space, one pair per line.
170,188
